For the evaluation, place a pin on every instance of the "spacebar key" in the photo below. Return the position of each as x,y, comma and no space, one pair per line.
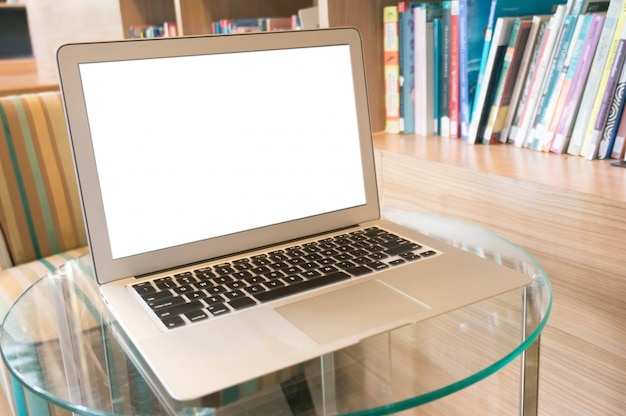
283,291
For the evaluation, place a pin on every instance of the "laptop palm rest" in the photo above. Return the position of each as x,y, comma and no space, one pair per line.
356,311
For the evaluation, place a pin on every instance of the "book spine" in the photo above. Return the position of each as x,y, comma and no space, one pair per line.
454,70
492,70
437,38
592,143
533,67
391,69
421,69
529,49
407,69
464,107
444,90
536,85
570,66
572,102
593,79
620,138
607,140
497,105
554,78
606,87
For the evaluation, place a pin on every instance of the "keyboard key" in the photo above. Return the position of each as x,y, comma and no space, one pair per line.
167,303
218,309
153,297
144,288
241,303
402,248
377,265
234,294
301,287
196,315
212,300
359,270
179,309
173,321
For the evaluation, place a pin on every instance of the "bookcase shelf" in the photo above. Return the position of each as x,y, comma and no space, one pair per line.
194,17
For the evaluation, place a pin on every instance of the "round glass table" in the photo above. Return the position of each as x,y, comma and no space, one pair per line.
62,349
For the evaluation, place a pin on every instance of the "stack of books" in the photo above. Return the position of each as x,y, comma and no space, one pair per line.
548,75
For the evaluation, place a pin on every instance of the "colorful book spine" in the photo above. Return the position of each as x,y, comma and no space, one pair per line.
555,74
537,28
391,69
574,95
444,86
615,110
606,87
406,68
473,17
592,141
620,138
570,67
437,44
510,69
533,67
536,84
454,100
482,103
592,85
500,8
424,13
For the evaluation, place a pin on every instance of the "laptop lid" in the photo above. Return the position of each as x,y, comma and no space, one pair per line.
199,147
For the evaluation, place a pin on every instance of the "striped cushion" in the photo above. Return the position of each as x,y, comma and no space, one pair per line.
40,212
15,280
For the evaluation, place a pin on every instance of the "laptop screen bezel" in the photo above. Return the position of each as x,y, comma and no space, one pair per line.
107,268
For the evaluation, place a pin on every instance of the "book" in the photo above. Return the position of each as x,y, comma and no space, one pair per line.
454,112
504,89
473,17
606,87
619,144
614,114
538,25
573,89
519,110
509,8
424,13
592,84
545,132
444,79
535,89
437,53
406,36
563,50
164,30
391,69
481,105
591,143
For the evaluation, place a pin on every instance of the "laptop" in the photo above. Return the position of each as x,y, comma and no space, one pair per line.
230,199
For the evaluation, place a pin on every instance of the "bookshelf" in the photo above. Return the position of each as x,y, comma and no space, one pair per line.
194,17
566,211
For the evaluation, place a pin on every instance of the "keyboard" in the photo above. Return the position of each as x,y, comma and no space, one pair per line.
183,298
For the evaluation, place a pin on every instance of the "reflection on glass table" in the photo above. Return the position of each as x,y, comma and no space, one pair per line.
64,350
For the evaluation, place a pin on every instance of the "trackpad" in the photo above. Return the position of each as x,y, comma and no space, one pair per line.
356,311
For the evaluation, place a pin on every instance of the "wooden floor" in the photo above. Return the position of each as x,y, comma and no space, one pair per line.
570,214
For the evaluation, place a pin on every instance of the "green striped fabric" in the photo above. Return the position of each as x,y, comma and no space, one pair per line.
40,211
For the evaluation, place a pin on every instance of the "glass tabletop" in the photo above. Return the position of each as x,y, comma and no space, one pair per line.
62,346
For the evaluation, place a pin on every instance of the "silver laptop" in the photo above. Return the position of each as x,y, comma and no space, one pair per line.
230,199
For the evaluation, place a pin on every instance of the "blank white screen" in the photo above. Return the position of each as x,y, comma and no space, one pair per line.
196,147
